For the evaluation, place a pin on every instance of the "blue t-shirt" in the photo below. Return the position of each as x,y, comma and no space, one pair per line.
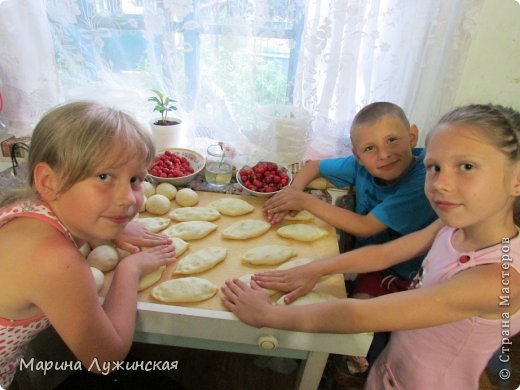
402,206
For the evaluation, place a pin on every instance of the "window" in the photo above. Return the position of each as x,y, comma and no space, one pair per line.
239,53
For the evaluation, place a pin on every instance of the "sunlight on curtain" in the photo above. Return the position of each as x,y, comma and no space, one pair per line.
356,52
28,76
221,60
224,61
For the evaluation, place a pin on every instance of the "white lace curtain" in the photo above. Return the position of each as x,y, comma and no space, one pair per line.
404,51
223,60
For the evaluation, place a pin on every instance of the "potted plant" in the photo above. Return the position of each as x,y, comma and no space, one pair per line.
166,130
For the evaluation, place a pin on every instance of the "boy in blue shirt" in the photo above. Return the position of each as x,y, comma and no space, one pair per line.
388,174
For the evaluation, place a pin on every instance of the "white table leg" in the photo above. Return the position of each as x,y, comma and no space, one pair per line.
311,371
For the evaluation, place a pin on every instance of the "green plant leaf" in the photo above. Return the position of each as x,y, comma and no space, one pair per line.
162,103
158,93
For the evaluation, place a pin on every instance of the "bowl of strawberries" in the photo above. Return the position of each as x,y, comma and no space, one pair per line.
263,179
177,166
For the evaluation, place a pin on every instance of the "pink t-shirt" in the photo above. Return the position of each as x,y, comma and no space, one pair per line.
15,335
449,356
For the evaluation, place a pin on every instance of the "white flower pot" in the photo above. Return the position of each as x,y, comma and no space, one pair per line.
167,136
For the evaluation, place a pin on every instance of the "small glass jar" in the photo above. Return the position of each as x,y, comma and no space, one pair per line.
219,167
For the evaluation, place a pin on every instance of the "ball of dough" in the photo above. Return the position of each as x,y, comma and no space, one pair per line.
186,197
167,190
103,257
99,278
148,189
158,204
85,249
143,207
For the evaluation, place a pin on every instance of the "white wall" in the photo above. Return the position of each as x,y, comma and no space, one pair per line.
492,70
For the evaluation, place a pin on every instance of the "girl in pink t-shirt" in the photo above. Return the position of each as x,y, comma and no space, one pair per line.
466,301
86,166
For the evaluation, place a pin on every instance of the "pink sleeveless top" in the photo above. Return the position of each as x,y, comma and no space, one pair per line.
449,356
15,335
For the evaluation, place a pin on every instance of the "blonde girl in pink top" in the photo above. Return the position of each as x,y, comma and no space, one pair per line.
86,166
467,297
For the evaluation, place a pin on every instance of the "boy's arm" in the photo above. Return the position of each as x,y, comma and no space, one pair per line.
348,221
286,200
309,172
293,198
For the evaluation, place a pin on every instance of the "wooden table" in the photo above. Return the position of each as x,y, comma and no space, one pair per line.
208,325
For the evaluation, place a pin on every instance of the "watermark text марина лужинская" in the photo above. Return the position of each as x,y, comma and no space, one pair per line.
103,367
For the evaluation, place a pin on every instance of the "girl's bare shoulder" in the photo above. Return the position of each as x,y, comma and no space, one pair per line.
35,244
34,256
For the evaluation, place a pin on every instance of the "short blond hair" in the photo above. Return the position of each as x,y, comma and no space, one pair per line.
375,111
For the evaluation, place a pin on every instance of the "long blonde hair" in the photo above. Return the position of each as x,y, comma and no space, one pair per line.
75,138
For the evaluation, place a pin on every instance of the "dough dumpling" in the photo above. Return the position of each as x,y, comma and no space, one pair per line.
185,214
232,207
247,228
192,230
186,197
302,215
158,204
181,246
151,278
189,289
309,298
166,189
154,224
201,260
99,278
247,280
302,232
103,257
268,254
148,189
293,263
